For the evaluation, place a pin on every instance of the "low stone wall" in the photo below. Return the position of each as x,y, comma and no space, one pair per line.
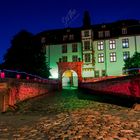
124,86
13,91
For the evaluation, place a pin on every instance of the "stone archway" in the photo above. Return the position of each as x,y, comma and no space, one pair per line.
69,80
65,66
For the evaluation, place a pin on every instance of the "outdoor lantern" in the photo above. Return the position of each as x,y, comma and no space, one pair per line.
2,75
27,78
35,79
18,76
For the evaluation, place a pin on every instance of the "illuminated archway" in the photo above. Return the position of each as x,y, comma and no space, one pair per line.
69,79
70,66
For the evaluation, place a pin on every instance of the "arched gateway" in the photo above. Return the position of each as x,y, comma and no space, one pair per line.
67,68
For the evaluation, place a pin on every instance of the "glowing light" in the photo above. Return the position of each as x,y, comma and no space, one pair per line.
27,78
2,75
54,73
68,73
18,76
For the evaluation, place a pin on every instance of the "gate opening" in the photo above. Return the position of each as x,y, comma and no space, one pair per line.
69,80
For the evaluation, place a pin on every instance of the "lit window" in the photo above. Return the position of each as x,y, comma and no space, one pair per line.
107,33
74,58
100,34
113,57
87,57
100,45
125,43
74,47
86,33
100,57
112,44
124,31
64,58
64,48
126,55
96,72
86,45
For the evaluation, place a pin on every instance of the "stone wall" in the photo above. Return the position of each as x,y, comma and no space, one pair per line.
13,91
124,86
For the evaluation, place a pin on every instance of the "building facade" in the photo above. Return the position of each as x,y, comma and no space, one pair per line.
101,48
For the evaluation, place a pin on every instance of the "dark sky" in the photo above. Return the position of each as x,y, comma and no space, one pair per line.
38,15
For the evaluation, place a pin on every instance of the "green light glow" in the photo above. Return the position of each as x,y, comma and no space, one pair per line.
54,73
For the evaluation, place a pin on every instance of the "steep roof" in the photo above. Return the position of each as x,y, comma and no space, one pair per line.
69,35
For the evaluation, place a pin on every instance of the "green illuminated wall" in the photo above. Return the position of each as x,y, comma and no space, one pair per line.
115,68
54,52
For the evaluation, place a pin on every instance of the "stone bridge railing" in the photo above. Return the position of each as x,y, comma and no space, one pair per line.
13,91
123,86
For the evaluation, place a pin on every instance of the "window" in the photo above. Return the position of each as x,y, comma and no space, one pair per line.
43,40
64,58
113,57
112,44
64,48
100,34
87,57
124,31
100,57
125,43
126,55
71,37
103,73
107,33
100,45
65,37
74,47
96,73
86,33
74,58
86,45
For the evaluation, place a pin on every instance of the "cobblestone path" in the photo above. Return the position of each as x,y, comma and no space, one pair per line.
70,115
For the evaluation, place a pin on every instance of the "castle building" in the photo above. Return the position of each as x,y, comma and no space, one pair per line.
76,54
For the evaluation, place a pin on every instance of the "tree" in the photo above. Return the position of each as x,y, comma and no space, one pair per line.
86,20
133,63
25,54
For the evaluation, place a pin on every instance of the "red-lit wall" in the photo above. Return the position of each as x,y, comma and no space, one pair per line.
16,91
122,86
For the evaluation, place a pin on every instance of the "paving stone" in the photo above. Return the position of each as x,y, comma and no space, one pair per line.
98,122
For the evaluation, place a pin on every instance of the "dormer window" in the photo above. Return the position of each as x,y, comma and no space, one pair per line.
71,37
107,33
65,37
100,34
43,40
86,33
124,31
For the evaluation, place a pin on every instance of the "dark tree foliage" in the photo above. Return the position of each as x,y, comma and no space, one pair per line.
133,63
86,20
25,54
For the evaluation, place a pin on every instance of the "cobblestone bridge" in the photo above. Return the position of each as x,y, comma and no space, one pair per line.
71,115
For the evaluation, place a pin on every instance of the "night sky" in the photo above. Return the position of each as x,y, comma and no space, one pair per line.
39,15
